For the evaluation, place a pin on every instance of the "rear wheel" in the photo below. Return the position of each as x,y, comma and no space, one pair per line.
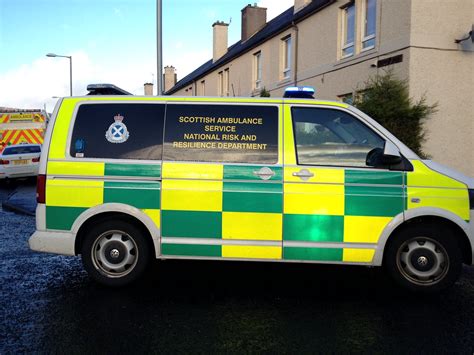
115,253
424,258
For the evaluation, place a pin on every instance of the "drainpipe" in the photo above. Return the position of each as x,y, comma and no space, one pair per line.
295,27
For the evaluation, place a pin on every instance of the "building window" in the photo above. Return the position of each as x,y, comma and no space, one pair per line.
358,27
286,57
226,83
348,30
369,24
347,98
220,84
258,70
203,88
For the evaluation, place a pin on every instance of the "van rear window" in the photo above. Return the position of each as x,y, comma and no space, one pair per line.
118,131
22,150
221,133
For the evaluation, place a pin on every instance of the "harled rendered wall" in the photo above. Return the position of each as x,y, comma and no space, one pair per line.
444,72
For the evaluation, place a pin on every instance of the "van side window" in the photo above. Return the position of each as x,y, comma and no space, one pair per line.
332,137
221,133
118,131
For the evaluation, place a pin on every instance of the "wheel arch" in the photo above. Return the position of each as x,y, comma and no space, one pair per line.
110,211
459,227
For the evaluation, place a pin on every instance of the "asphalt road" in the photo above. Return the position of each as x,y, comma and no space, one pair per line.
6,188
49,305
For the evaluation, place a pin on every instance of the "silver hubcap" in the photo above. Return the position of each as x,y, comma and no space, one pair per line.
114,253
423,261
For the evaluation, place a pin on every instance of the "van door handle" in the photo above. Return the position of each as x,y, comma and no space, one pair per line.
304,174
264,173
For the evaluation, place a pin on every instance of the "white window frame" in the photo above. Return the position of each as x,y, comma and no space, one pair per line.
221,84
364,38
258,70
344,19
226,86
287,46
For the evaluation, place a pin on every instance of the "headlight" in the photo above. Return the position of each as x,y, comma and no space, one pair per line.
471,199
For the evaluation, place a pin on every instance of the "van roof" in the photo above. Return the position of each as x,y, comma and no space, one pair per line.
208,99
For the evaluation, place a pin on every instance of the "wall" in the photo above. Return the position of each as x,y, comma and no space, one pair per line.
319,64
444,72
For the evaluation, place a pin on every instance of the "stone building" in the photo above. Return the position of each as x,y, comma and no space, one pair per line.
335,46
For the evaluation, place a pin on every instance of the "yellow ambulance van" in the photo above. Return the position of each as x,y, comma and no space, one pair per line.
124,180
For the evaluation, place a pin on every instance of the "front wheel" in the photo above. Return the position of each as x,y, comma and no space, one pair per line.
424,258
115,253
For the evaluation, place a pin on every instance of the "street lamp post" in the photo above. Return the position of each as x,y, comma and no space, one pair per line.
52,55
159,46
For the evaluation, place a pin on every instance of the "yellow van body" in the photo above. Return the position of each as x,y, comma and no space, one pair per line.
278,211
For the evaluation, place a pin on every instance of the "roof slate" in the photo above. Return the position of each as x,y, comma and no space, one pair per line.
272,28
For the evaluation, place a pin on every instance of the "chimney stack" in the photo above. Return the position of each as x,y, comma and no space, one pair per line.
220,40
254,18
300,4
169,77
148,89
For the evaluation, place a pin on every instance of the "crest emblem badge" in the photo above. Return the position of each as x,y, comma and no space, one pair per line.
117,132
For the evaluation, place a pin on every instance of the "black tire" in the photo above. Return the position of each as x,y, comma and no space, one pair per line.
424,258
115,253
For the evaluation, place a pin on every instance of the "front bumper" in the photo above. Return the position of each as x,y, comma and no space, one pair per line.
53,242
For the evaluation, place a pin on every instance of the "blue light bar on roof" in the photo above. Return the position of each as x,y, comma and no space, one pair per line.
299,92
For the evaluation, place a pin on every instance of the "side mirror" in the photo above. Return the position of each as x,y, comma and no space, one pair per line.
390,155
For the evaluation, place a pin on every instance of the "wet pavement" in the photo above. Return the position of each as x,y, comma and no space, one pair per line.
49,305
18,195
6,189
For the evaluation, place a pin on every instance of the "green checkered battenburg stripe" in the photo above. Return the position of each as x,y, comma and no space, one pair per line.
373,201
373,177
251,194
191,224
367,193
142,195
382,193
313,228
314,254
254,197
135,170
62,218
242,172
191,250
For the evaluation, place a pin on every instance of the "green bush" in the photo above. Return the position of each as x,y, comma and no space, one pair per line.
386,99
264,93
